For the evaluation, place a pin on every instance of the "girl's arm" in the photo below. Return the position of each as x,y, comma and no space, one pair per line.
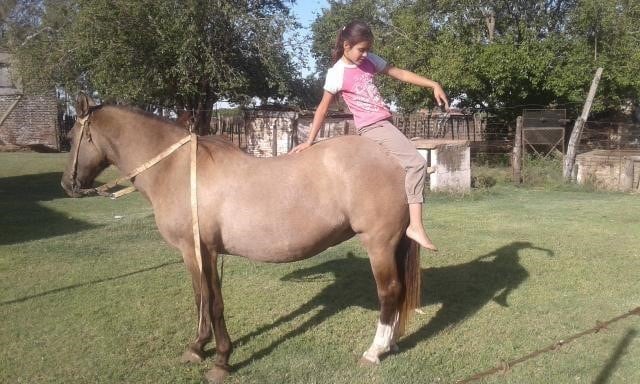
412,78
318,121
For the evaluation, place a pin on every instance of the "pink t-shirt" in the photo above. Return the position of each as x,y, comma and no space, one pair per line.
358,90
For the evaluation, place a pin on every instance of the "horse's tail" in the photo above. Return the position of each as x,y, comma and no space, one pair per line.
408,262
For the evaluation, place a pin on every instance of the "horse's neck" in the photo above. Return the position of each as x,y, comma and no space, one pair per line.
131,140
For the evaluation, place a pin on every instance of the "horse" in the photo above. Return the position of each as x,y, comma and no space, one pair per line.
274,210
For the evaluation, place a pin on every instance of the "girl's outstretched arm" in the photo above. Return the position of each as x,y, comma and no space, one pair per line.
318,120
413,78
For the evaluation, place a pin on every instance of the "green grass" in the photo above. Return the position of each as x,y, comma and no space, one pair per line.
88,296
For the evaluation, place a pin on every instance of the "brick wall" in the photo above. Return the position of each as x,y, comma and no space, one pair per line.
31,123
604,168
269,133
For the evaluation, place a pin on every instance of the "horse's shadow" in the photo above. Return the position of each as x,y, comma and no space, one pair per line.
24,218
461,290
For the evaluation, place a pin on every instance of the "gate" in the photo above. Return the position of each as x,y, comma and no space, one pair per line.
543,131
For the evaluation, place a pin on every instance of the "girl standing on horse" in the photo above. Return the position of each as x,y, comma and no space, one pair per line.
352,75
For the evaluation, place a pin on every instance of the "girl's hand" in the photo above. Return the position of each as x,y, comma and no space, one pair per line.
412,78
440,96
300,147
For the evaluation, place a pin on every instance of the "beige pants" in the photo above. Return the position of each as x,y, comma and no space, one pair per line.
397,144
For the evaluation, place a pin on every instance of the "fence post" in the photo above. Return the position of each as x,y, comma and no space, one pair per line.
516,160
626,174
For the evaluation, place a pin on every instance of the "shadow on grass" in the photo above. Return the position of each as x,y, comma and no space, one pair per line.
23,218
464,289
461,289
620,350
89,283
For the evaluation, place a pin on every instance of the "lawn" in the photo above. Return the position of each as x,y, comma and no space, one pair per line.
90,293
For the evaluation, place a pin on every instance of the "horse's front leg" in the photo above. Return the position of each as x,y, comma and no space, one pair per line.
389,290
223,341
195,350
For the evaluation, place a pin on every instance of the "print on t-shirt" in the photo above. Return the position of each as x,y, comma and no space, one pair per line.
358,90
367,96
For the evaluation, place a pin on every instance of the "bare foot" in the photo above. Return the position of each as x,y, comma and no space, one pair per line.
421,238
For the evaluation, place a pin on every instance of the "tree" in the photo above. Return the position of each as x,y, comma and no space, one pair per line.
607,33
186,54
500,55
5,9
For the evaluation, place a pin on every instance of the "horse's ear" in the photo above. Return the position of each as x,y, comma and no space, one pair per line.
83,104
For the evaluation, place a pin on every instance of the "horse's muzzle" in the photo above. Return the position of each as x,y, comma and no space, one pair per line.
74,190
68,190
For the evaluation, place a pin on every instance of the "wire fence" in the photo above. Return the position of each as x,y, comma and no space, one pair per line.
491,139
609,135
504,366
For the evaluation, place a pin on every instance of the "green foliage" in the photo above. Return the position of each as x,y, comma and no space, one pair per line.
501,53
5,10
483,182
188,54
610,29
543,171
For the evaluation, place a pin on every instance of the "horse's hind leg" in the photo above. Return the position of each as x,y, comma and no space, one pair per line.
195,350
389,289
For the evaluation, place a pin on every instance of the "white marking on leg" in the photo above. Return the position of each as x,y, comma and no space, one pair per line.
396,335
382,341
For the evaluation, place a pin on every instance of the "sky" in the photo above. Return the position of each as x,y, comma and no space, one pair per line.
306,11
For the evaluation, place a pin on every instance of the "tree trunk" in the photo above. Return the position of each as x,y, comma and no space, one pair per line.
490,21
204,111
203,119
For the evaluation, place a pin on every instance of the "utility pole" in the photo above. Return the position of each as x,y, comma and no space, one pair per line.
570,159
516,158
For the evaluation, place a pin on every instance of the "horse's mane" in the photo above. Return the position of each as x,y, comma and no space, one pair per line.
218,143
137,111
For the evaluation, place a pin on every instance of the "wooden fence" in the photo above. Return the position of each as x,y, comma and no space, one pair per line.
454,127
486,135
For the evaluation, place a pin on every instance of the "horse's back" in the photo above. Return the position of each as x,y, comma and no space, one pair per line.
347,172
372,181
299,204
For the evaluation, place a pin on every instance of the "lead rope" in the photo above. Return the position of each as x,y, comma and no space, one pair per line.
76,151
196,224
102,190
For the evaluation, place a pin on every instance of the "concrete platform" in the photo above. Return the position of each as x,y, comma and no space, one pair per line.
450,163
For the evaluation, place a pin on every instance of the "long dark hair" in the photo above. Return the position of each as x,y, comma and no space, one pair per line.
355,32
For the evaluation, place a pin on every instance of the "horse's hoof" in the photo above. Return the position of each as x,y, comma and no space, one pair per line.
216,375
393,348
191,356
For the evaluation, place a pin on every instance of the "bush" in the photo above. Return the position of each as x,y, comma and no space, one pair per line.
542,171
483,181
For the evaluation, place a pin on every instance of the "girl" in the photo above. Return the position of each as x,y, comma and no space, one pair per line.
352,74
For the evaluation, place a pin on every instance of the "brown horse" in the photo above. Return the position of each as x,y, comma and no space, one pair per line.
272,210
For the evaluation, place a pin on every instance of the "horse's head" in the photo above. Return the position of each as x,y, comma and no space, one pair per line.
86,160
